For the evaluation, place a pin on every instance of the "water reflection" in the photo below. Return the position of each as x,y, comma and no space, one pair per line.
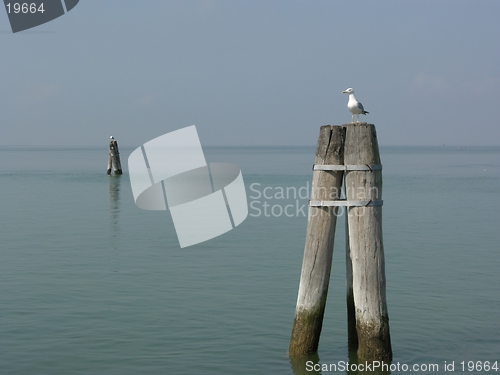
305,365
114,207
358,367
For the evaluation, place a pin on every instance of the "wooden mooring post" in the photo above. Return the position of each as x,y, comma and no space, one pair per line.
365,246
350,150
318,250
114,157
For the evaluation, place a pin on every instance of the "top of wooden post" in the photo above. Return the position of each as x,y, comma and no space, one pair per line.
362,144
328,152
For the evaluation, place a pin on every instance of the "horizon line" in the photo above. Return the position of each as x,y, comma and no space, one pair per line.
249,145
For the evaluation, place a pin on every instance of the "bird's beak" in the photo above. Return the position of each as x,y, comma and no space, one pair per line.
343,92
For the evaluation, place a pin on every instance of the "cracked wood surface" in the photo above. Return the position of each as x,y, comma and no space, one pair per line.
366,284
318,250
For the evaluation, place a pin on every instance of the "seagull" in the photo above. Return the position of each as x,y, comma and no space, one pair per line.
355,107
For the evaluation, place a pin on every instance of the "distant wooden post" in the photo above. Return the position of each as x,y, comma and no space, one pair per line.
318,250
114,157
365,246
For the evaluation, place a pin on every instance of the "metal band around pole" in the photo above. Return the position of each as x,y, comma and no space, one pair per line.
363,167
346,203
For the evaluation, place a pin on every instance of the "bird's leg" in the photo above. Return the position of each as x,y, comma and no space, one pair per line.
352,118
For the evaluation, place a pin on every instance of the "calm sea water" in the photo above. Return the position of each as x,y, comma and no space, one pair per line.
90,284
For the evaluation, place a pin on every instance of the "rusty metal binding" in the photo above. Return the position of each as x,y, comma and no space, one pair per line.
362,167
346,203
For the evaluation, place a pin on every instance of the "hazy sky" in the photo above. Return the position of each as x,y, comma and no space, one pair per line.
253,72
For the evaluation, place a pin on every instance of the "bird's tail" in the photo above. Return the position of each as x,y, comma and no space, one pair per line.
365,112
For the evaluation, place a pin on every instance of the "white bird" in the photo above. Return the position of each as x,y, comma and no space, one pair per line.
355,107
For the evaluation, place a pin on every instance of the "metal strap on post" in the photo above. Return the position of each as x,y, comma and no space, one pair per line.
343,202
346,203
363,167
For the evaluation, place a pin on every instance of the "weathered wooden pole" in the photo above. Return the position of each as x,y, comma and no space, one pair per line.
365,245
114,157
352,334
318,250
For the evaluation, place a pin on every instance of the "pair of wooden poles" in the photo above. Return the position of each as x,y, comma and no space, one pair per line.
114,158
346,153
